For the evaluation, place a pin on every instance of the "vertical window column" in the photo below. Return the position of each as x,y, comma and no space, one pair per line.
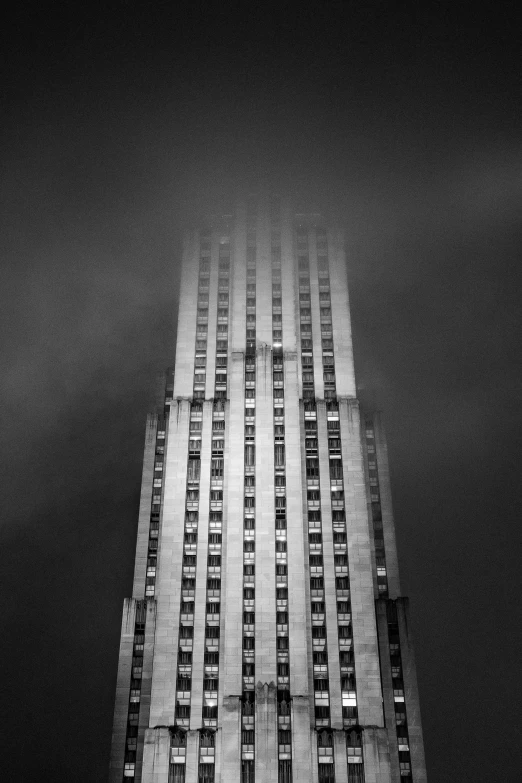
159,458
305,314
251,251
178,754
248,704
133,714
213,572
317,597
401,718
354,755
378,529
275,250
325,756
342,580
207,756
325,313
213,584
186,630
188,576
222,318
283,662
200,362
152,549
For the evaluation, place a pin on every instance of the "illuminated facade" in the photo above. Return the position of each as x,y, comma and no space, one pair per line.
266,639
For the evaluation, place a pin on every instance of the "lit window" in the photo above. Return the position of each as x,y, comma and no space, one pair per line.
349,699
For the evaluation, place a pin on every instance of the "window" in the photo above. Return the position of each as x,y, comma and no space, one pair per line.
312,468
194,466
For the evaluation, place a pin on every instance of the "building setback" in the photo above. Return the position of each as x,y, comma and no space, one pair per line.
267,639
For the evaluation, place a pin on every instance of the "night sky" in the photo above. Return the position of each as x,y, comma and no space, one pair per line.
121,121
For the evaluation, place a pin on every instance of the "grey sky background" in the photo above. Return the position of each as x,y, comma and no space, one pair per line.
120,123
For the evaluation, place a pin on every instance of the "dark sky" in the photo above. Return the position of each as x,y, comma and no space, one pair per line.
118,120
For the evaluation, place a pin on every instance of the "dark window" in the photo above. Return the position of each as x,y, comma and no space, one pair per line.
206,771
247,770
284,773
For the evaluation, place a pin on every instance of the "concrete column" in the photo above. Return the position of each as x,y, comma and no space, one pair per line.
121,708
341,326
369,700
316,318
156,755
298,589
168,582
192,763
330,597
376,756
390,544
411,693
266,758
198,651
265,522
387,689
142,542
187,316
341,763
315,756
232,557
308,614
229,768
298,608
301,755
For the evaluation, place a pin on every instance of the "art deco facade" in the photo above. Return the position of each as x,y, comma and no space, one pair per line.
267,639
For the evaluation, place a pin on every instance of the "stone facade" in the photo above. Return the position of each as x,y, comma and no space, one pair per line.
267,638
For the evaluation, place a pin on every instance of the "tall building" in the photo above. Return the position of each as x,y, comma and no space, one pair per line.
267,639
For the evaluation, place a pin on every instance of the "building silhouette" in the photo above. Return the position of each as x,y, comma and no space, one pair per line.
267,638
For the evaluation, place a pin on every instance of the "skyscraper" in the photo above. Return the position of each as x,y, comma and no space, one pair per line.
267,639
